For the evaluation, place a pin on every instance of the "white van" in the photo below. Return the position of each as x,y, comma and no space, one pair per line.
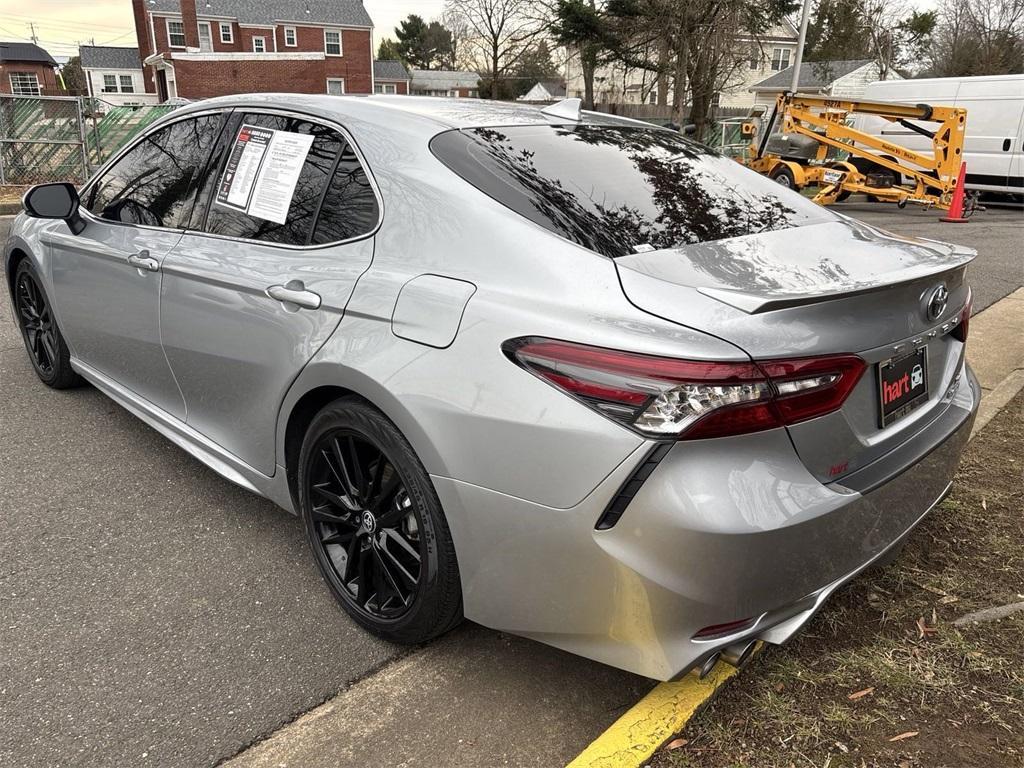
994,141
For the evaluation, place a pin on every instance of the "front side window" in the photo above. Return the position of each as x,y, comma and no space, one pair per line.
332,199
25,84
110,83
618,190
127,84
151,183
259,45
289,37
226,34
780,59
332,42
175,34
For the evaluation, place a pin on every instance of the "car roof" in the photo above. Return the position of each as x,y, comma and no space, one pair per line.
433,113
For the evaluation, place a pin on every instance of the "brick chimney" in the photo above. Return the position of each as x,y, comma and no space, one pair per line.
142,32
188,17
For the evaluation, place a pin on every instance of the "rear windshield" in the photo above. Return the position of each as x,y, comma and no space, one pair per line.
620,190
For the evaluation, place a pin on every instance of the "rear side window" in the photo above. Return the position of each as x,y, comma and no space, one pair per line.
618,190
151,184
331,199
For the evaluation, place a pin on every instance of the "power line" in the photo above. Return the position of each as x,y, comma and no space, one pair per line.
67,24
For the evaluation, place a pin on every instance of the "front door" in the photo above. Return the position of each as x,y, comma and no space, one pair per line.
107,279
279,236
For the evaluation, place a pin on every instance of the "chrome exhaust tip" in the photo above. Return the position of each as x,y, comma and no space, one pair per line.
708,665
738,654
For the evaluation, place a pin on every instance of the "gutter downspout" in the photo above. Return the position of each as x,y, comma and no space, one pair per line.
152,47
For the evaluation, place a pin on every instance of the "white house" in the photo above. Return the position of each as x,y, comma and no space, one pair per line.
113,75
545,90
771,51
846,78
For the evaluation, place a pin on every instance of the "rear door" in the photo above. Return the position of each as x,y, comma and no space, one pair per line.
280,234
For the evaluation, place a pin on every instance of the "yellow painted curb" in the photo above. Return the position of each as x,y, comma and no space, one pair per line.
648,724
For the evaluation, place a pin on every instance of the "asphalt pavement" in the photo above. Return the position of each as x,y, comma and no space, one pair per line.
152,613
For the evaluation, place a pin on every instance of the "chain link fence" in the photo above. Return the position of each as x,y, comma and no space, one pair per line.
60,138
42,139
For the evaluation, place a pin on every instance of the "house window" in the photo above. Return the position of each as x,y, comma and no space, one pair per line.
780,59
205,37
384,88
176,34
332,42
227,34
127,84
110,83
336,86
755,56
259,45
25,84
290,39
652,98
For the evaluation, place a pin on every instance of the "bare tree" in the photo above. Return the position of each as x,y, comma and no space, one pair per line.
498,32
978,37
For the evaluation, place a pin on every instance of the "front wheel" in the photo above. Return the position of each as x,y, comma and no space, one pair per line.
46,347
376,526
781,174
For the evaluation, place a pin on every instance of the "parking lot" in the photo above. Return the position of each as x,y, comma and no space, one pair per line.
154,614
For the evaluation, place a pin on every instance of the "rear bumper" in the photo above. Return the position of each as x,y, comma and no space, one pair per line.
723,530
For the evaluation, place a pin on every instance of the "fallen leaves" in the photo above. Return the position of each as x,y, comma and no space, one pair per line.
676,744
861,694
905,735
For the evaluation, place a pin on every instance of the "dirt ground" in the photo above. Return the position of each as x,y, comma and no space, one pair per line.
882,677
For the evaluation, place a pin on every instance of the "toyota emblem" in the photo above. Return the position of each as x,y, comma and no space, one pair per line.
936,304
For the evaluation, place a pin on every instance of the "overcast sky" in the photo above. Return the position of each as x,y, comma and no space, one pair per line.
61,24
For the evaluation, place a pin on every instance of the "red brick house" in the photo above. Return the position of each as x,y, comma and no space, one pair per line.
195,49
390,76
28,70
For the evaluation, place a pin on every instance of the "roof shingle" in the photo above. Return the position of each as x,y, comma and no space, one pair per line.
813,74
443,79
321,12
389,70
109,57
25,52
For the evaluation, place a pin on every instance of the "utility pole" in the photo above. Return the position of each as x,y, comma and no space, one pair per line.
804,15
32,26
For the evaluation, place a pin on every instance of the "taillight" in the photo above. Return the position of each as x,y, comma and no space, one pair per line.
688,399
963,325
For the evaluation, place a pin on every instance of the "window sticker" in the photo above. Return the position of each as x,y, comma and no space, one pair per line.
263,171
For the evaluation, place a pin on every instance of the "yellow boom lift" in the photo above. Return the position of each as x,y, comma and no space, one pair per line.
817,147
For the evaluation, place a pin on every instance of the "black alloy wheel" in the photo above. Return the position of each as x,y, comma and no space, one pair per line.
366,524
376,527
46,347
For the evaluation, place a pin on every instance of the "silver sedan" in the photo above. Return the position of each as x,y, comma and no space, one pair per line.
570,376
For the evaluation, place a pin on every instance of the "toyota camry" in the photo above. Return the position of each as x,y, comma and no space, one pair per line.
569,376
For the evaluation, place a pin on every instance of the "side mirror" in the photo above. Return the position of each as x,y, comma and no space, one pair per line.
54,201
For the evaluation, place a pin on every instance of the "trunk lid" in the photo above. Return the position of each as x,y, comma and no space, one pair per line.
836,287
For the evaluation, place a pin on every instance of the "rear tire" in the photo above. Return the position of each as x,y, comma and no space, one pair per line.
375,525
50,356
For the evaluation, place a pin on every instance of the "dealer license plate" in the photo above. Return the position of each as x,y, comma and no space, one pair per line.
902,385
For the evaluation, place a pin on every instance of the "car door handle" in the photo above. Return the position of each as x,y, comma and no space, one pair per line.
143,260
294,292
